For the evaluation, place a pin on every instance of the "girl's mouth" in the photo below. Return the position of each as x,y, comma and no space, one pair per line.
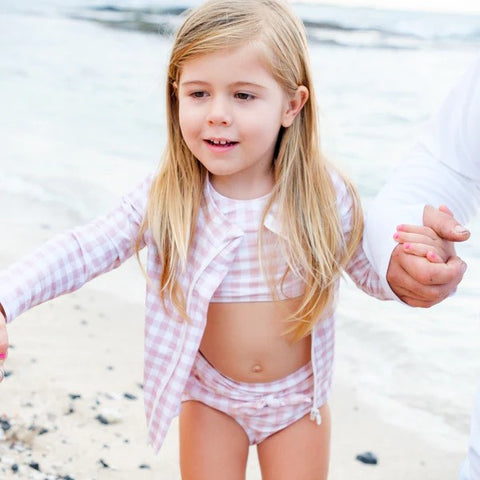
221,143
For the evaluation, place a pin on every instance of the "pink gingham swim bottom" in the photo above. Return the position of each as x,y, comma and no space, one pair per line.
261,409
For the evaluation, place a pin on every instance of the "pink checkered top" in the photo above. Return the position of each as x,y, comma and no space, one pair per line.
69,260
247,281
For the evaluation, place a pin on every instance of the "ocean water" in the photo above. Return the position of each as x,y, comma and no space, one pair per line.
81,92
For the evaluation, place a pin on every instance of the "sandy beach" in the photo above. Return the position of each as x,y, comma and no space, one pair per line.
72,407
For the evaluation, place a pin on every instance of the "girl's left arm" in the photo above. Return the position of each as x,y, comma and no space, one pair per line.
358,268
69,260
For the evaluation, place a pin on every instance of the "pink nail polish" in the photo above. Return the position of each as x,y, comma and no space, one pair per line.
407,246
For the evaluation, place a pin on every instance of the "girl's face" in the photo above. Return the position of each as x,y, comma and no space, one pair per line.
231,110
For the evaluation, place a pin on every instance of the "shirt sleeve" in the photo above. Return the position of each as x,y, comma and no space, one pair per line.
443,168
358,268
69,260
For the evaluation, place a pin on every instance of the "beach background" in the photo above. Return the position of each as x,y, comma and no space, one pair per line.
81,96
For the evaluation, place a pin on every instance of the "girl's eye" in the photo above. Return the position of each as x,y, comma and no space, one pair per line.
244,96
198,94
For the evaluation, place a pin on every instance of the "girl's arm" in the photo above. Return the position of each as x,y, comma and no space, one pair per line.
358,268
69,260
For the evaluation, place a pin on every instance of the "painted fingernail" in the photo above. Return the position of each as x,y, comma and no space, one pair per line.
3,355
464,268
396,236
407,246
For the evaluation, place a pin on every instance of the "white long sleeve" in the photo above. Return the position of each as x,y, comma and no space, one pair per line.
443,168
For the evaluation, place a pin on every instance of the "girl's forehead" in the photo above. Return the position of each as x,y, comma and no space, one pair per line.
234,56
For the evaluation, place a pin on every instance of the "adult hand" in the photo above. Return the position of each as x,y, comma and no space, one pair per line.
3,342
443,222
420,283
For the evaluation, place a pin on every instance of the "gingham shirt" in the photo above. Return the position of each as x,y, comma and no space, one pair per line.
69,260
247,281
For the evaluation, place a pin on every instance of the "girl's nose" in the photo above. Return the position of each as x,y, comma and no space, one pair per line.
219,113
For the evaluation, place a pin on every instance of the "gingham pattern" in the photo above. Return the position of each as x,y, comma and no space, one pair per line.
261,409
69,260
246,281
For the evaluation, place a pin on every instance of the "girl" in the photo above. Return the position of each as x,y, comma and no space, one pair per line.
248,230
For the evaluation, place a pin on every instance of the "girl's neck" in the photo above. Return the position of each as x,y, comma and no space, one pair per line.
240,189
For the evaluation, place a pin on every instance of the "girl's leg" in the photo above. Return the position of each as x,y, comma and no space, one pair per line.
213,446
302,450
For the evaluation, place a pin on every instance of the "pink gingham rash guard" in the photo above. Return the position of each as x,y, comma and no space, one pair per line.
71,259
248,280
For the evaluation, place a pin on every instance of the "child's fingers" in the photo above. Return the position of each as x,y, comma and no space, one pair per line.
405,237
416,229
422,250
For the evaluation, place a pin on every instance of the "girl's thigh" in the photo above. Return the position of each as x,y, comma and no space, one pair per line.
213,446
302,450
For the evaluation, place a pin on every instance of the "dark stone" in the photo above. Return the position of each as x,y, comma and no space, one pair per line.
368,458
102,419
34,465
74,396
103,463
5,424
144,466
130,396
14,468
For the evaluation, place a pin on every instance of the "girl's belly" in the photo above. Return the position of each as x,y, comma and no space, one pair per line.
246,341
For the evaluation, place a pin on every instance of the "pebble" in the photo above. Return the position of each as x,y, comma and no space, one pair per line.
109,416
368,457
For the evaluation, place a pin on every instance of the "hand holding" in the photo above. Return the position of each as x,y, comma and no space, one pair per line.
416,279
421,283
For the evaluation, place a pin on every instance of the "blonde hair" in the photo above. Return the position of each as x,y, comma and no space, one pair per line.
303,187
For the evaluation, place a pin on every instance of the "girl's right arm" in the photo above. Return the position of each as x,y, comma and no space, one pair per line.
69,260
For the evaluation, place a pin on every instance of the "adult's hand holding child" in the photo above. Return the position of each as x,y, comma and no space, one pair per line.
419,281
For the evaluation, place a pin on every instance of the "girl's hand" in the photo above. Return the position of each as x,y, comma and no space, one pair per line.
3,342
424,242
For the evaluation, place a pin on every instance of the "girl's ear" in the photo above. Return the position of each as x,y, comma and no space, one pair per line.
295,105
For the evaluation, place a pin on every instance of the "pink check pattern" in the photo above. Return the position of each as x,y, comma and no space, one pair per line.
69,260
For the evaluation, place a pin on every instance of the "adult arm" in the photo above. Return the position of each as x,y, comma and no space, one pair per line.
442,169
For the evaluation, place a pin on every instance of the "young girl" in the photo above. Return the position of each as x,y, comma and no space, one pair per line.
248,230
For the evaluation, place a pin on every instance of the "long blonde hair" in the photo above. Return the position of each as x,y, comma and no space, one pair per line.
303,187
